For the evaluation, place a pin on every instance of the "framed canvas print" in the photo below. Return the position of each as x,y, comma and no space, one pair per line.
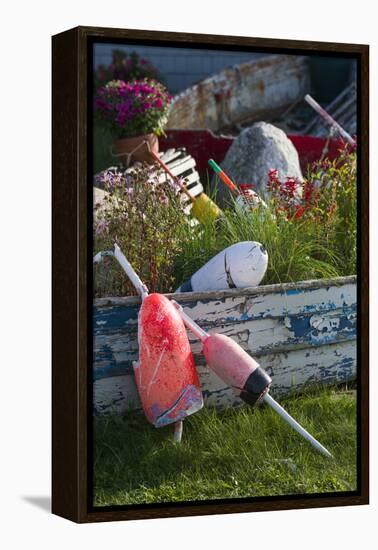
210,274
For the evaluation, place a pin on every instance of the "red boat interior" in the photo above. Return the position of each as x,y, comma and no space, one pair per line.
203,145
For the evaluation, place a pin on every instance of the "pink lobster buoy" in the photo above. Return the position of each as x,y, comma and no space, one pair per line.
240,371
235,367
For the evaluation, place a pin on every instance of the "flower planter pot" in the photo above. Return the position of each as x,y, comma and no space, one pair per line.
134,149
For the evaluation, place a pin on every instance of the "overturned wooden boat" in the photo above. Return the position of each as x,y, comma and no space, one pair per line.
302,333
249,91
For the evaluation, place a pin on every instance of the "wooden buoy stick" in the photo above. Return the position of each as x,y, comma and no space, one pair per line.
223,176
331,121
219,367
175,178
295,425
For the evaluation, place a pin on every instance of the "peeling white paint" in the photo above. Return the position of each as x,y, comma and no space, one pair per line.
302,337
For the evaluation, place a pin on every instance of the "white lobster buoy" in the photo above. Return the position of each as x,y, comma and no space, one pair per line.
240,265
249,199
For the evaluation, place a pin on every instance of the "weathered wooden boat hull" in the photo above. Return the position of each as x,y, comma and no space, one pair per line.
303,334
249,91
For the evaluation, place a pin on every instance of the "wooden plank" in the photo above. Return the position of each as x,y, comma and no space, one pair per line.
180,166
295,370
280,325
195,189
177,158
193,297
98,195
116,349
345,102
170,154
239,305
190,179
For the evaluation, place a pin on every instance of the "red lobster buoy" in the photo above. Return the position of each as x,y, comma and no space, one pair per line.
165,374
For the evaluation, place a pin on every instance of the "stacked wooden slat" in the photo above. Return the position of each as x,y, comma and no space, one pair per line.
182,165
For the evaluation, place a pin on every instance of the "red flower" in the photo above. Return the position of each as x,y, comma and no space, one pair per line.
299,211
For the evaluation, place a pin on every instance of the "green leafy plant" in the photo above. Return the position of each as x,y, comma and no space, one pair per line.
134,108
311,237
296,251
141,212
335,207
328,201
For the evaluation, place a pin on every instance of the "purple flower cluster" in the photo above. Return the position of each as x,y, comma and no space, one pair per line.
101,227
133,108
117,183
110,178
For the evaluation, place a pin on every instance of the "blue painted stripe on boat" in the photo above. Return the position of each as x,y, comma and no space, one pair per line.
119,323
108,319
186,286
118,368
113,369
345,367
300,325
126,318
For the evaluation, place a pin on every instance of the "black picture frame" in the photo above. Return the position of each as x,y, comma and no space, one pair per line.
72,269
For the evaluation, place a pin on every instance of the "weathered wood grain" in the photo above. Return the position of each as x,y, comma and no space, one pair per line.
302,333
290,371
248,91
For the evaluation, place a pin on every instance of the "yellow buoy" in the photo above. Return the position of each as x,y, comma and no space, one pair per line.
204,209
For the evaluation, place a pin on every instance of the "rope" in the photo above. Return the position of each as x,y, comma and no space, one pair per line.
129,155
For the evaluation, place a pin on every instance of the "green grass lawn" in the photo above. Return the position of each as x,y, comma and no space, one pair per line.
236,453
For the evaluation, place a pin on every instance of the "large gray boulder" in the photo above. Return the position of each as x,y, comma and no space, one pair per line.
254,152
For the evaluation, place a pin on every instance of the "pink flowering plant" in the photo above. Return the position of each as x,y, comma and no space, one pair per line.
125,66
130,109
325,200
141,212
329,187
309,228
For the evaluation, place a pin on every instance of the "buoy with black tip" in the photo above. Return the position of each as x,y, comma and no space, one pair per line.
242,373
240,265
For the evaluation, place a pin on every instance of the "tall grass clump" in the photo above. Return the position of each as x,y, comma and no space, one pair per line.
296,251
308,228
235,453
334,201
141,212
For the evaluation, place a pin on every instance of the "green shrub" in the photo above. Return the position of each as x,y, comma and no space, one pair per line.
307,237
144,217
